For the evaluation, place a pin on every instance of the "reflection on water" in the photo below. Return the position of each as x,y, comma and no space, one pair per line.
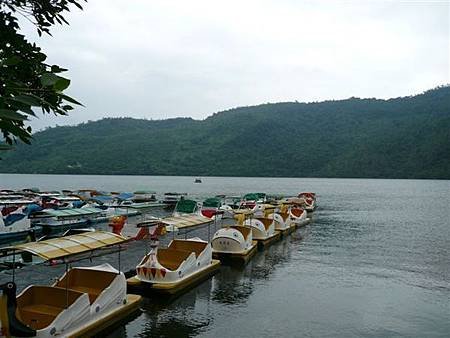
375,263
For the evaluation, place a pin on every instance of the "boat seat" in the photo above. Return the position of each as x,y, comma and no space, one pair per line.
92,292
266,221
171,258
191,246
284,215
245,231
92,282
38,306
297,212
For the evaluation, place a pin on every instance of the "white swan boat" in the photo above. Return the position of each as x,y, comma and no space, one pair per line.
310,198
173,269
263,230
283,222
233,243
84,301
298,216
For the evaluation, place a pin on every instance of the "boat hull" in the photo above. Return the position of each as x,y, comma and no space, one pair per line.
105,321
264,243
136,285
240,257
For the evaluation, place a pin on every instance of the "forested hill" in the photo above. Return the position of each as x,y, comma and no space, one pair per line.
405,137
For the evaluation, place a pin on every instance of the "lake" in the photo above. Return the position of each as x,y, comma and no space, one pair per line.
374,263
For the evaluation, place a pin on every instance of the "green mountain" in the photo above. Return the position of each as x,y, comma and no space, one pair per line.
406,137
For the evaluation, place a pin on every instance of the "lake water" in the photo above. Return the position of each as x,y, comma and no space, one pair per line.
374,263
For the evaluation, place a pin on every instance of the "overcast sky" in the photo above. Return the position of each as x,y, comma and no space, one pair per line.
161,58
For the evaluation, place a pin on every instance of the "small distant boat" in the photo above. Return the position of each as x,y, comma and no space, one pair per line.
173,269
198,180
234,243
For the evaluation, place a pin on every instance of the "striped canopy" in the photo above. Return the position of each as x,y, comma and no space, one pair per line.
186,221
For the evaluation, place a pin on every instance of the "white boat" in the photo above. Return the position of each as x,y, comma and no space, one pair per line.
82,302
263,209
262,228
186,207
310,199
59,219
298,216
233,242
282,221
211,207
175,267
141,196
15,223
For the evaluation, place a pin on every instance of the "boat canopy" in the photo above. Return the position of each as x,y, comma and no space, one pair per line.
67,213
212,202
186,206
16,202
101,199
254,196
62,247
124,196
66,198
186,221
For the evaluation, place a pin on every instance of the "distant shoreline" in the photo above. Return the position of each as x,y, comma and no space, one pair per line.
215,176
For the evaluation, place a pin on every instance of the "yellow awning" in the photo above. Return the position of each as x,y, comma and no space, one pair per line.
186,221
69,245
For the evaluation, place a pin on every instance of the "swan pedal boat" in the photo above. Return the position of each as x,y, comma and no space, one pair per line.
234,244
263,230
83,302
174,269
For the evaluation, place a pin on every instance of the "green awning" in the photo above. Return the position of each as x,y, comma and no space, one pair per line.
67,213
212,202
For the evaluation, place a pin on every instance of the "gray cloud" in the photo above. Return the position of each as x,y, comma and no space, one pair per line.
159,59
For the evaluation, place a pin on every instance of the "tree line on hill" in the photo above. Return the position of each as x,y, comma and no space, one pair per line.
407,137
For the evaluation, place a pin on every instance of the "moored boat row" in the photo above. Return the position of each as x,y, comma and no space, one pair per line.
87,299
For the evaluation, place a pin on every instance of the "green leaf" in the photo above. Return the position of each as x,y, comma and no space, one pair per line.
57,69
67,107
61,84
27,99
12,61
9,114
49,79
71,100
